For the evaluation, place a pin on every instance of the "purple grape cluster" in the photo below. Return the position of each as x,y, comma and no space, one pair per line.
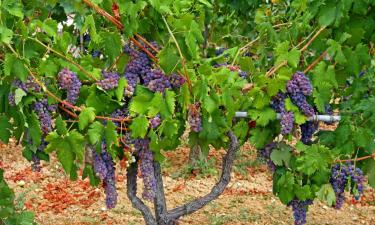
110,80
176,80
43,111
300,210
160,83
265,154
119,114
69,81
243,74
12,98
194,117
139,71
299,84
28,86
286,122
155,122
138,66
287,117
298,88
104,167
299,99
307,131
146,167
341,174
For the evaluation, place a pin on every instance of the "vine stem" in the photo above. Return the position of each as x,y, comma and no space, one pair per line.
102,12
312,39
147,43
66,58
244,48
316,61
119,26
357,159
180,52
274,69
285,62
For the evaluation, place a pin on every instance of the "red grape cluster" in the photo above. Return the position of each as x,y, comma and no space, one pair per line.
176,80
300,210
28,86
104,167
110,80
194,117
287,117
43,110
146,167
265,154
155,122
340,177
69,81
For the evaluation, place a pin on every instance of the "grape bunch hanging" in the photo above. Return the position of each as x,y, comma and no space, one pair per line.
297,89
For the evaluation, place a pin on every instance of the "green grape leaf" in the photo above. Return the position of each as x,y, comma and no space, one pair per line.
327,194
193,37
6,127
18,95
327,14
112,44
90,24
122,84
95,132
5,34
170,100
34,129
315,158
169,59
61,126
139,127
19,70
14,7
157,104
264,116
66,157
86,117
285,186
50,27
281,156
110,133
303,193
293,57
89,172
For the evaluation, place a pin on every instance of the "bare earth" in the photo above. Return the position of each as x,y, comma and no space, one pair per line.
247,200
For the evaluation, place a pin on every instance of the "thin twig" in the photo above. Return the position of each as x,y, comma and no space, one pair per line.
357,159
66,58
305,39
273,70
312,39
115,62
144,49
102,12
316,61
244,48
181,56
147,43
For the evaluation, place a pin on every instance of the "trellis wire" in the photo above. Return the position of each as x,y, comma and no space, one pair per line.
323,118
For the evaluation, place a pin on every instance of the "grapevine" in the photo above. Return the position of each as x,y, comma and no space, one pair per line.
128,81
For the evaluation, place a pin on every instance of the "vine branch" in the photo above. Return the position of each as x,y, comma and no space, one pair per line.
316,61
180,52
196,204
357,159
66,58
131,184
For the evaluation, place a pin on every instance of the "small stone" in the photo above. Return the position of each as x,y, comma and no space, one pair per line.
355,218
21,183
103,208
